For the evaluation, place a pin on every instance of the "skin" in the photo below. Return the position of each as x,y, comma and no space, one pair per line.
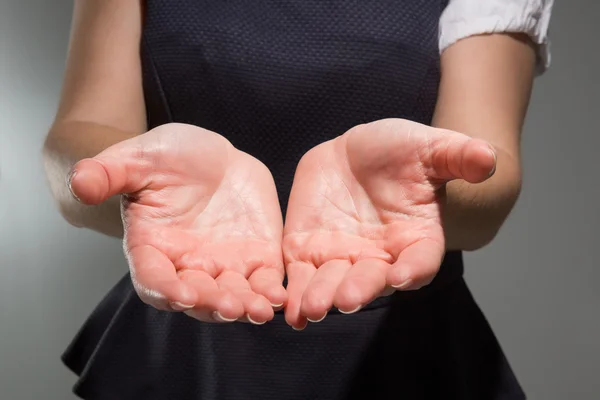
484,92
101,103
364,213
202,222
395,205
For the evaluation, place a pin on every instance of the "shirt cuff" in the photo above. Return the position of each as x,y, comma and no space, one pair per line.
463,18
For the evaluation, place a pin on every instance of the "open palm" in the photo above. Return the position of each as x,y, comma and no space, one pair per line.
364,215
202,222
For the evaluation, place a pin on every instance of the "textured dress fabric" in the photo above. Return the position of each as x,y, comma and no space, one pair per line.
277,78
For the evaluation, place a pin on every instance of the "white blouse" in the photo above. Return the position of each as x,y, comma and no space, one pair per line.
463,18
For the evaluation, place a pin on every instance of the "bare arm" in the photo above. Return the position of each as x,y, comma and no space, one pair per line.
101,102
484,92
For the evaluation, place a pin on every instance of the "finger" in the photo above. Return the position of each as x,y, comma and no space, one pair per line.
416,265
257,308
318,296
299,275
338,245
174,242
268,281
456,156
362,284
214,304
155,280
118,169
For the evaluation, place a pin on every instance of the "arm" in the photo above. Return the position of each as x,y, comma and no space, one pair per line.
484,92
101,102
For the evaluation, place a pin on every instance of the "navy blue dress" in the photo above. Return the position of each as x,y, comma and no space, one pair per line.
277,78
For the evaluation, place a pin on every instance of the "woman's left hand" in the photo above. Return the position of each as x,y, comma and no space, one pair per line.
365,214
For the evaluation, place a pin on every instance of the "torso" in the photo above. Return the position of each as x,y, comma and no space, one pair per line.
277,78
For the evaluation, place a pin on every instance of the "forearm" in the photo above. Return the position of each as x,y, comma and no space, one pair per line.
101,103
484,93
67,143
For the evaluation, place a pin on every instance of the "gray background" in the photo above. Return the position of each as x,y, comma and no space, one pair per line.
538,283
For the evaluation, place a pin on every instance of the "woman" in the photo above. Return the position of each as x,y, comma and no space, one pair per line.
214,119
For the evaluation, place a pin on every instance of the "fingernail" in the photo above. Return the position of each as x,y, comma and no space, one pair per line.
403,285
351,312
318,320
218,317
276,305
298,329
177,306
70,177
495,161
253,321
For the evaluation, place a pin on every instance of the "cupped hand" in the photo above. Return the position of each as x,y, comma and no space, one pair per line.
202,222
365,214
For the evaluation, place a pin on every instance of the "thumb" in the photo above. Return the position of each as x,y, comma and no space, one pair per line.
120,169
457,156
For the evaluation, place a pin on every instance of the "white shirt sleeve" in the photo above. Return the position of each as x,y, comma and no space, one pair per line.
464,18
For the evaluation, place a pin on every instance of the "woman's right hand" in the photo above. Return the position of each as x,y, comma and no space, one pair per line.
202,222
